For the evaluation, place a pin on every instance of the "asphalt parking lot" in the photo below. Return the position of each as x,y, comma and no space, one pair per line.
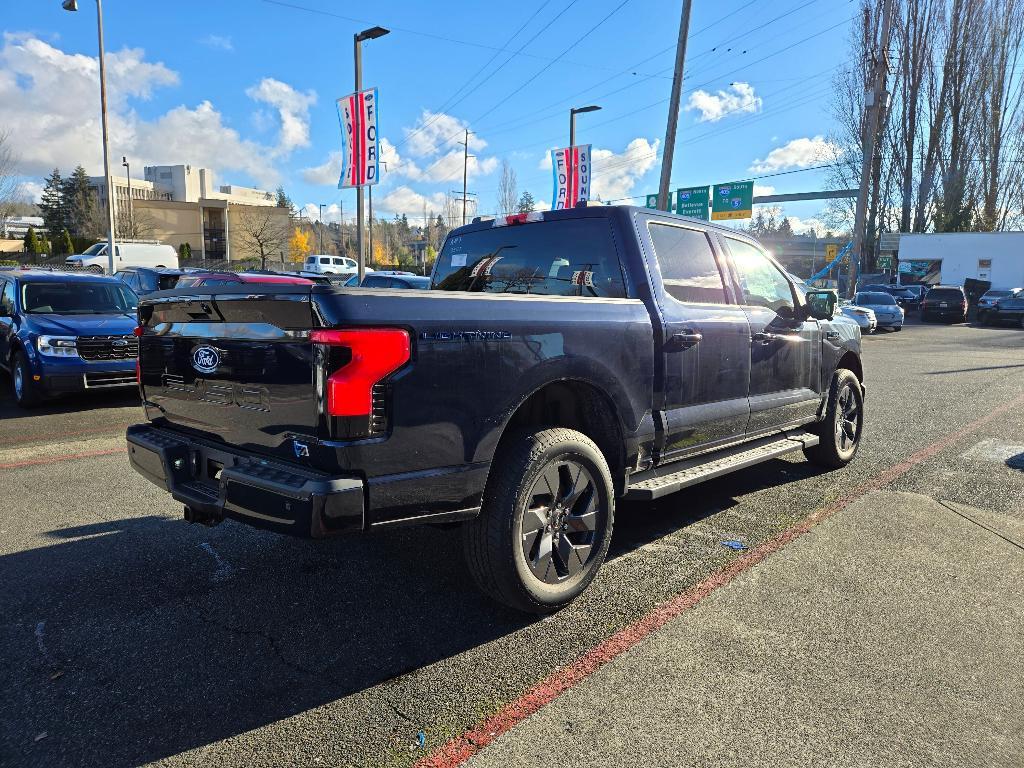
129,637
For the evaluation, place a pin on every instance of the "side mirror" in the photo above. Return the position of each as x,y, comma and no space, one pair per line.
821,305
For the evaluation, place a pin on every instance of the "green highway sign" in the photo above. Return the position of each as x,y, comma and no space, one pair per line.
652,201
885,261
733,201
692,202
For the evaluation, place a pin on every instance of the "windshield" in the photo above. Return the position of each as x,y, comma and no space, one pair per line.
94,250
997,294
878,299
78,298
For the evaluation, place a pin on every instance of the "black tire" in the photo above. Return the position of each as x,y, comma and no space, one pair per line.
26,393
1021,323
897,330
524,547
843,426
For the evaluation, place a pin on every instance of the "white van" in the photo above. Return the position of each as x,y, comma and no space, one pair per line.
94,258
331,265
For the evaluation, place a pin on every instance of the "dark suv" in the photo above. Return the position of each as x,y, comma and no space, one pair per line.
146,280
944,302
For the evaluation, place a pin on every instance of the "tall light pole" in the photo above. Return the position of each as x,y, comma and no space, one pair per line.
131,202
673,108
357,39
72,5
572,120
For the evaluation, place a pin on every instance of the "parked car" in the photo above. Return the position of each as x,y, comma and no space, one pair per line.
62,333
888,314
560,360
146,280
944,302
909,300
863,316
399,280
209,279
94,258
989,298
1007,309
331,265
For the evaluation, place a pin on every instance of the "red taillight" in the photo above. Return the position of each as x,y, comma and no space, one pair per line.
139,330
376,352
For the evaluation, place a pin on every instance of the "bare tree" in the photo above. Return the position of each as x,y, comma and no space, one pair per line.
508,189
262,231
8,180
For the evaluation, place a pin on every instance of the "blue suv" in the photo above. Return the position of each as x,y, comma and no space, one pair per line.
63,333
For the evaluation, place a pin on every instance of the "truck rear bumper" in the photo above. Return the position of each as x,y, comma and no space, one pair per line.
215,483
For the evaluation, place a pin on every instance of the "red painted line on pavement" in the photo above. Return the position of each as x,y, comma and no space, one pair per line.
54,459
459,749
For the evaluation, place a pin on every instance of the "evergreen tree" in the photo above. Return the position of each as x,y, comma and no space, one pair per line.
785,228
78,202
51,203
63,243
526,203
283,201
184,251
32,242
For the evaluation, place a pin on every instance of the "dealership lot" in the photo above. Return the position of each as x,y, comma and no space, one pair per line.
130,637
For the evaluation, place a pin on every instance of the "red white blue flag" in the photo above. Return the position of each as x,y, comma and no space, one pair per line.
571,170
360,153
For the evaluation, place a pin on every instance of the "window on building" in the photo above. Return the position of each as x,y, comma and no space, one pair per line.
562,257
689,271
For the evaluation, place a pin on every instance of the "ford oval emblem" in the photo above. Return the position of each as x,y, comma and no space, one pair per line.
205,359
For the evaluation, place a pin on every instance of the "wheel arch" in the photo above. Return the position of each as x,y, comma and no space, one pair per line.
851,361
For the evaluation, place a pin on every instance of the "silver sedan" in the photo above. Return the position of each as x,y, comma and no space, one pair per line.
863,316
888,313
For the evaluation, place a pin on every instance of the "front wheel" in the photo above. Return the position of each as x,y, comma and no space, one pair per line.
26,394
95,269
841,429
546,521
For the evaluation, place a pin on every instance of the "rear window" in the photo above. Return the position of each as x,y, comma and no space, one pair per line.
568,257
946,294
878,299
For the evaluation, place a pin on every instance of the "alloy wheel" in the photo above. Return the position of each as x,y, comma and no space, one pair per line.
560,526
848,419
19,382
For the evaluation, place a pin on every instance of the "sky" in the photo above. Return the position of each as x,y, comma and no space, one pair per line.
249,88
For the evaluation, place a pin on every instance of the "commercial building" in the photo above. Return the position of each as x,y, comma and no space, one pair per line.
180,204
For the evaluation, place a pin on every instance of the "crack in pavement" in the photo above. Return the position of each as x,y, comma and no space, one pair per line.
994,532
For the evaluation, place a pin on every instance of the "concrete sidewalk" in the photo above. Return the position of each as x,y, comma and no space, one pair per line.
891,634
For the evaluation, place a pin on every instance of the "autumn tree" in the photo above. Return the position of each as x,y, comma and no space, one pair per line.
298,245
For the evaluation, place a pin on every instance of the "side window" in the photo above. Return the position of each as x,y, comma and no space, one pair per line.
340,262
762,282
376,282
325,260
688,268
7,297
148,281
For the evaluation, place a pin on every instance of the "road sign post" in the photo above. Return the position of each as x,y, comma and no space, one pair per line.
733,201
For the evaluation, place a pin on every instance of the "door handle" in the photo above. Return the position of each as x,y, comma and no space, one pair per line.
677,342
763,338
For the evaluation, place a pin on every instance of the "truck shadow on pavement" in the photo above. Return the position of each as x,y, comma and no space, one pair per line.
127,641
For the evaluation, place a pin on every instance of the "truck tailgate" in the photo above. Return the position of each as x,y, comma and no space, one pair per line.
235,365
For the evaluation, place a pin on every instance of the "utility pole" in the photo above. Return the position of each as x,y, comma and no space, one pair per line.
357,39
668,150
321,227
873,101
465,171
341,224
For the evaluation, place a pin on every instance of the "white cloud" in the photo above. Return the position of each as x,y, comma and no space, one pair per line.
616,173
804,226
408,201
435,132
332,212
29,191
51,110
738,99
798,153
763,189
292,107
328,172
218,42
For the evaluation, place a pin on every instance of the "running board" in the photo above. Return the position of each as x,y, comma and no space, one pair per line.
676,475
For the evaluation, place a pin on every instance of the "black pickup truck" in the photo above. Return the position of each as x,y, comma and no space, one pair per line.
559,361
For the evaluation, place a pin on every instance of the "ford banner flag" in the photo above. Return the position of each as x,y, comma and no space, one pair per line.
360,154
571,170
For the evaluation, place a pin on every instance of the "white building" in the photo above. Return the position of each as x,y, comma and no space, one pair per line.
17,226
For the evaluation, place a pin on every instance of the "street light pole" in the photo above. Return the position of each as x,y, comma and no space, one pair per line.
131,202
572,120
72,5
367,34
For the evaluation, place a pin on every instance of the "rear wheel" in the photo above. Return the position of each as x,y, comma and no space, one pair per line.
26,393
840,431
546,521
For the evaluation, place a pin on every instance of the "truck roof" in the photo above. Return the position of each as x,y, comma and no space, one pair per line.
48,276
590,211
